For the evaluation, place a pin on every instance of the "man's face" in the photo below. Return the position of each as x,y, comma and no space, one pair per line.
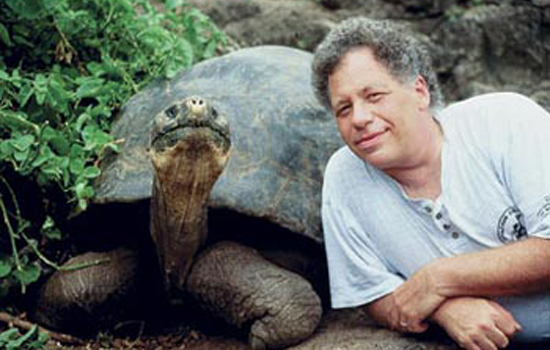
383,121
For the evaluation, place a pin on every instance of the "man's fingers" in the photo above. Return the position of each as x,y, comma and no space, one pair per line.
498,337
506,323
508,327
469,345
418,327
485,343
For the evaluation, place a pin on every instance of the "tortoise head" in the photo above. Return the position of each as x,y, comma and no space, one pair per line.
186,117
190,144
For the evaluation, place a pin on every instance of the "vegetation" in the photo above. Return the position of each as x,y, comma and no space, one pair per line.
66,68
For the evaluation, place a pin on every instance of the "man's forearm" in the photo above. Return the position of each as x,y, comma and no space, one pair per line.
379,310
517,268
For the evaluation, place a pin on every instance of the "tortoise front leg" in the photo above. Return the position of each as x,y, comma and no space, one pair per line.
236,283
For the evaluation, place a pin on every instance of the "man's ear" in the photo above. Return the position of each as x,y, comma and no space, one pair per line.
423,92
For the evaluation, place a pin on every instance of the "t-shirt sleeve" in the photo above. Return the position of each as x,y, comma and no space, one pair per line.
357,274
526,161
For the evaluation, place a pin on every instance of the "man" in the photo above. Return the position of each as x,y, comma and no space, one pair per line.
430,214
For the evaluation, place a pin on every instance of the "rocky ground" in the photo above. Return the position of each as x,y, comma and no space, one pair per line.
343,330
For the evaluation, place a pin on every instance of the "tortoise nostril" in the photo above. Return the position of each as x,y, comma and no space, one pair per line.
197,101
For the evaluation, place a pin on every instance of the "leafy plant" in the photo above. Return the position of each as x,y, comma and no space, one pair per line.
11,339
66,68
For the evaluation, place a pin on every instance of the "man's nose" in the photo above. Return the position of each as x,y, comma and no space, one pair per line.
362,115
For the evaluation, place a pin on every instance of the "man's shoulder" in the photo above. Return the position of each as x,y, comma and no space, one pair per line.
346,172
343,159
491,106
494,112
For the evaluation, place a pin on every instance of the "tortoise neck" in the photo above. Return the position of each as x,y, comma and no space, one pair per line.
179,206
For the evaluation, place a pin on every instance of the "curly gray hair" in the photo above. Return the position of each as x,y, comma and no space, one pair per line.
404,56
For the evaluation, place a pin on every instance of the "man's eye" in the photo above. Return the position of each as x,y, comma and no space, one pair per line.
375,96
342,111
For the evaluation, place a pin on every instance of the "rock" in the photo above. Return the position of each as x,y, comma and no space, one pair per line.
351,329
497,45
299,24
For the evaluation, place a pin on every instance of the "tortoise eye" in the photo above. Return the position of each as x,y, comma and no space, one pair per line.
172,112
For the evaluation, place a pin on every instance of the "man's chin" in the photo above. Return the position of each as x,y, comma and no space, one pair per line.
371,158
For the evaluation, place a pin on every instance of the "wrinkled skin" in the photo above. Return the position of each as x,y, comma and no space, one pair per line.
100,294
238,284
189,149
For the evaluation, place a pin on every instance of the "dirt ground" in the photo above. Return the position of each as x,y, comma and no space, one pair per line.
157,335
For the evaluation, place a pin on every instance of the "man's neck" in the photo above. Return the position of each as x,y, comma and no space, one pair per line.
422,178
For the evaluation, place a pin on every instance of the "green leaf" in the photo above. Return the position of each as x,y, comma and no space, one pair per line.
40,342
40,96
76,165
93,137
25,94
44,156
27,9
28,274
172,4
17,121
81,120
5,266
82,204
18,343
210,49
83,190
51,170
60,144
5,35
8,335
23,142
20,156
91,172
6,149
89,87
50,230
58,94
48,133
3,75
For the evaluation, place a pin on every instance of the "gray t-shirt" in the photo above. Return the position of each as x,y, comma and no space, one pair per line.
495,189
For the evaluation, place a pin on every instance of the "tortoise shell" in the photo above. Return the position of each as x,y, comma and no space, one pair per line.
281,137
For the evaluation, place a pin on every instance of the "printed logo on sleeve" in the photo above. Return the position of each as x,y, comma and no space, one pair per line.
511,226
545,209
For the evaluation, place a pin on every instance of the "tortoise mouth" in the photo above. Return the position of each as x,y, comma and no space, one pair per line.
175,134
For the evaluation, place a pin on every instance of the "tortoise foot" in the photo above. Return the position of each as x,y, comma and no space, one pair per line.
236,283
91,297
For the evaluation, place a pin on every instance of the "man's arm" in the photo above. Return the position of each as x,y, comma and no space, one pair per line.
382,311
519,268
474,323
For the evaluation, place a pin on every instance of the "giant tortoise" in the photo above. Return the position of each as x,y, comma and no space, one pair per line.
268,196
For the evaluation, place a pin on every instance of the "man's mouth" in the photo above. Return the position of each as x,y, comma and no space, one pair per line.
369,140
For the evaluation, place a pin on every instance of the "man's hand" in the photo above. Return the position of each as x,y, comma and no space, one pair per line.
476,323
414,301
